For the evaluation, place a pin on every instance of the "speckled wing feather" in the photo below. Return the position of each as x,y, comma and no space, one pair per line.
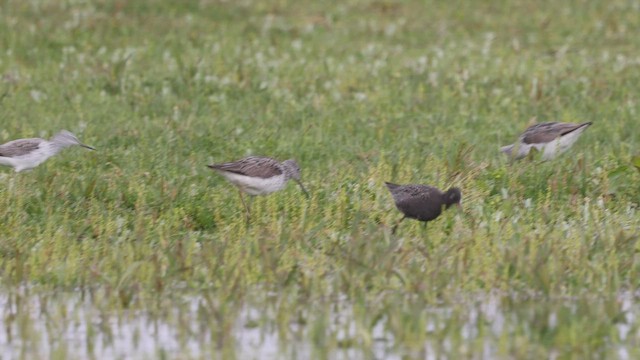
547,132
420,202
19,147
254,166
408,194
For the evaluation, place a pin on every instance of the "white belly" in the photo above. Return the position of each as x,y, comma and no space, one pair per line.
6,161
255,186
551,149
26,162
561,144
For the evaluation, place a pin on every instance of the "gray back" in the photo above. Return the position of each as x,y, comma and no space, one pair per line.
19,147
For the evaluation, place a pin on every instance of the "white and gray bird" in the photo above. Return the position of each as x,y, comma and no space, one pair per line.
257,175
25,154
550,138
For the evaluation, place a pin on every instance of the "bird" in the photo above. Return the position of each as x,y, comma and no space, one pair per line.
551,138
25,154
258,175
422,202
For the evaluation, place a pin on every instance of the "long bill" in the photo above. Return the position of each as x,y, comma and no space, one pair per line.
302,187
87,146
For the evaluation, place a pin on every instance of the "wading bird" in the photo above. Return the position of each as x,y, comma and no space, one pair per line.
25,154
551,138
256,175
422,202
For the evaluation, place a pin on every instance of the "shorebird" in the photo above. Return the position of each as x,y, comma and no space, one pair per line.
552,138
422,202
25,154
257,175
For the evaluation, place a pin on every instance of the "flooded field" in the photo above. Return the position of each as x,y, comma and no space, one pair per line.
140,250
73,326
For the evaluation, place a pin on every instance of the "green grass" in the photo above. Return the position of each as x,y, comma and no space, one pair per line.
358,92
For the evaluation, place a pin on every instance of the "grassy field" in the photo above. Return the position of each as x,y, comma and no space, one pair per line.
138,250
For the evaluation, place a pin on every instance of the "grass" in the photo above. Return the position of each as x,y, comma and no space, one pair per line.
542,262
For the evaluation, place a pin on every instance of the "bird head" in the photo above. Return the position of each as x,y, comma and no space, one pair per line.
508,150
453,196
66,138
292,171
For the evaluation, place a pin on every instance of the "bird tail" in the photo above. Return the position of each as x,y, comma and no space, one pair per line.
391,186
585,124
221,167
577,129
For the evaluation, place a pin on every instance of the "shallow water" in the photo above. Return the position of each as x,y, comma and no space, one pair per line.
71,326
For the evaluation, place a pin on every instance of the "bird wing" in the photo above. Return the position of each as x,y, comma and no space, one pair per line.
19,147
420,202
253,166
411,194
549,131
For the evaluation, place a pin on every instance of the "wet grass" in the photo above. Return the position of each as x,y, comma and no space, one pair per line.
94,244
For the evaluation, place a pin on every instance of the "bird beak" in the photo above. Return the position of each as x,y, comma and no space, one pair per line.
87,147
303,189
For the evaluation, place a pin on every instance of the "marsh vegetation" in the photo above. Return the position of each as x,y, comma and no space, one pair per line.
137,249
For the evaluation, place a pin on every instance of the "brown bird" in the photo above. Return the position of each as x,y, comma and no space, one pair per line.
422,202
552,138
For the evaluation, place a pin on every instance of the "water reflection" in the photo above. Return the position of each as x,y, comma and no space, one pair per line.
40,324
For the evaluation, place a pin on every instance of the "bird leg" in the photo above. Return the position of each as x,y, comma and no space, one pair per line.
426,238
247,209
395,227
